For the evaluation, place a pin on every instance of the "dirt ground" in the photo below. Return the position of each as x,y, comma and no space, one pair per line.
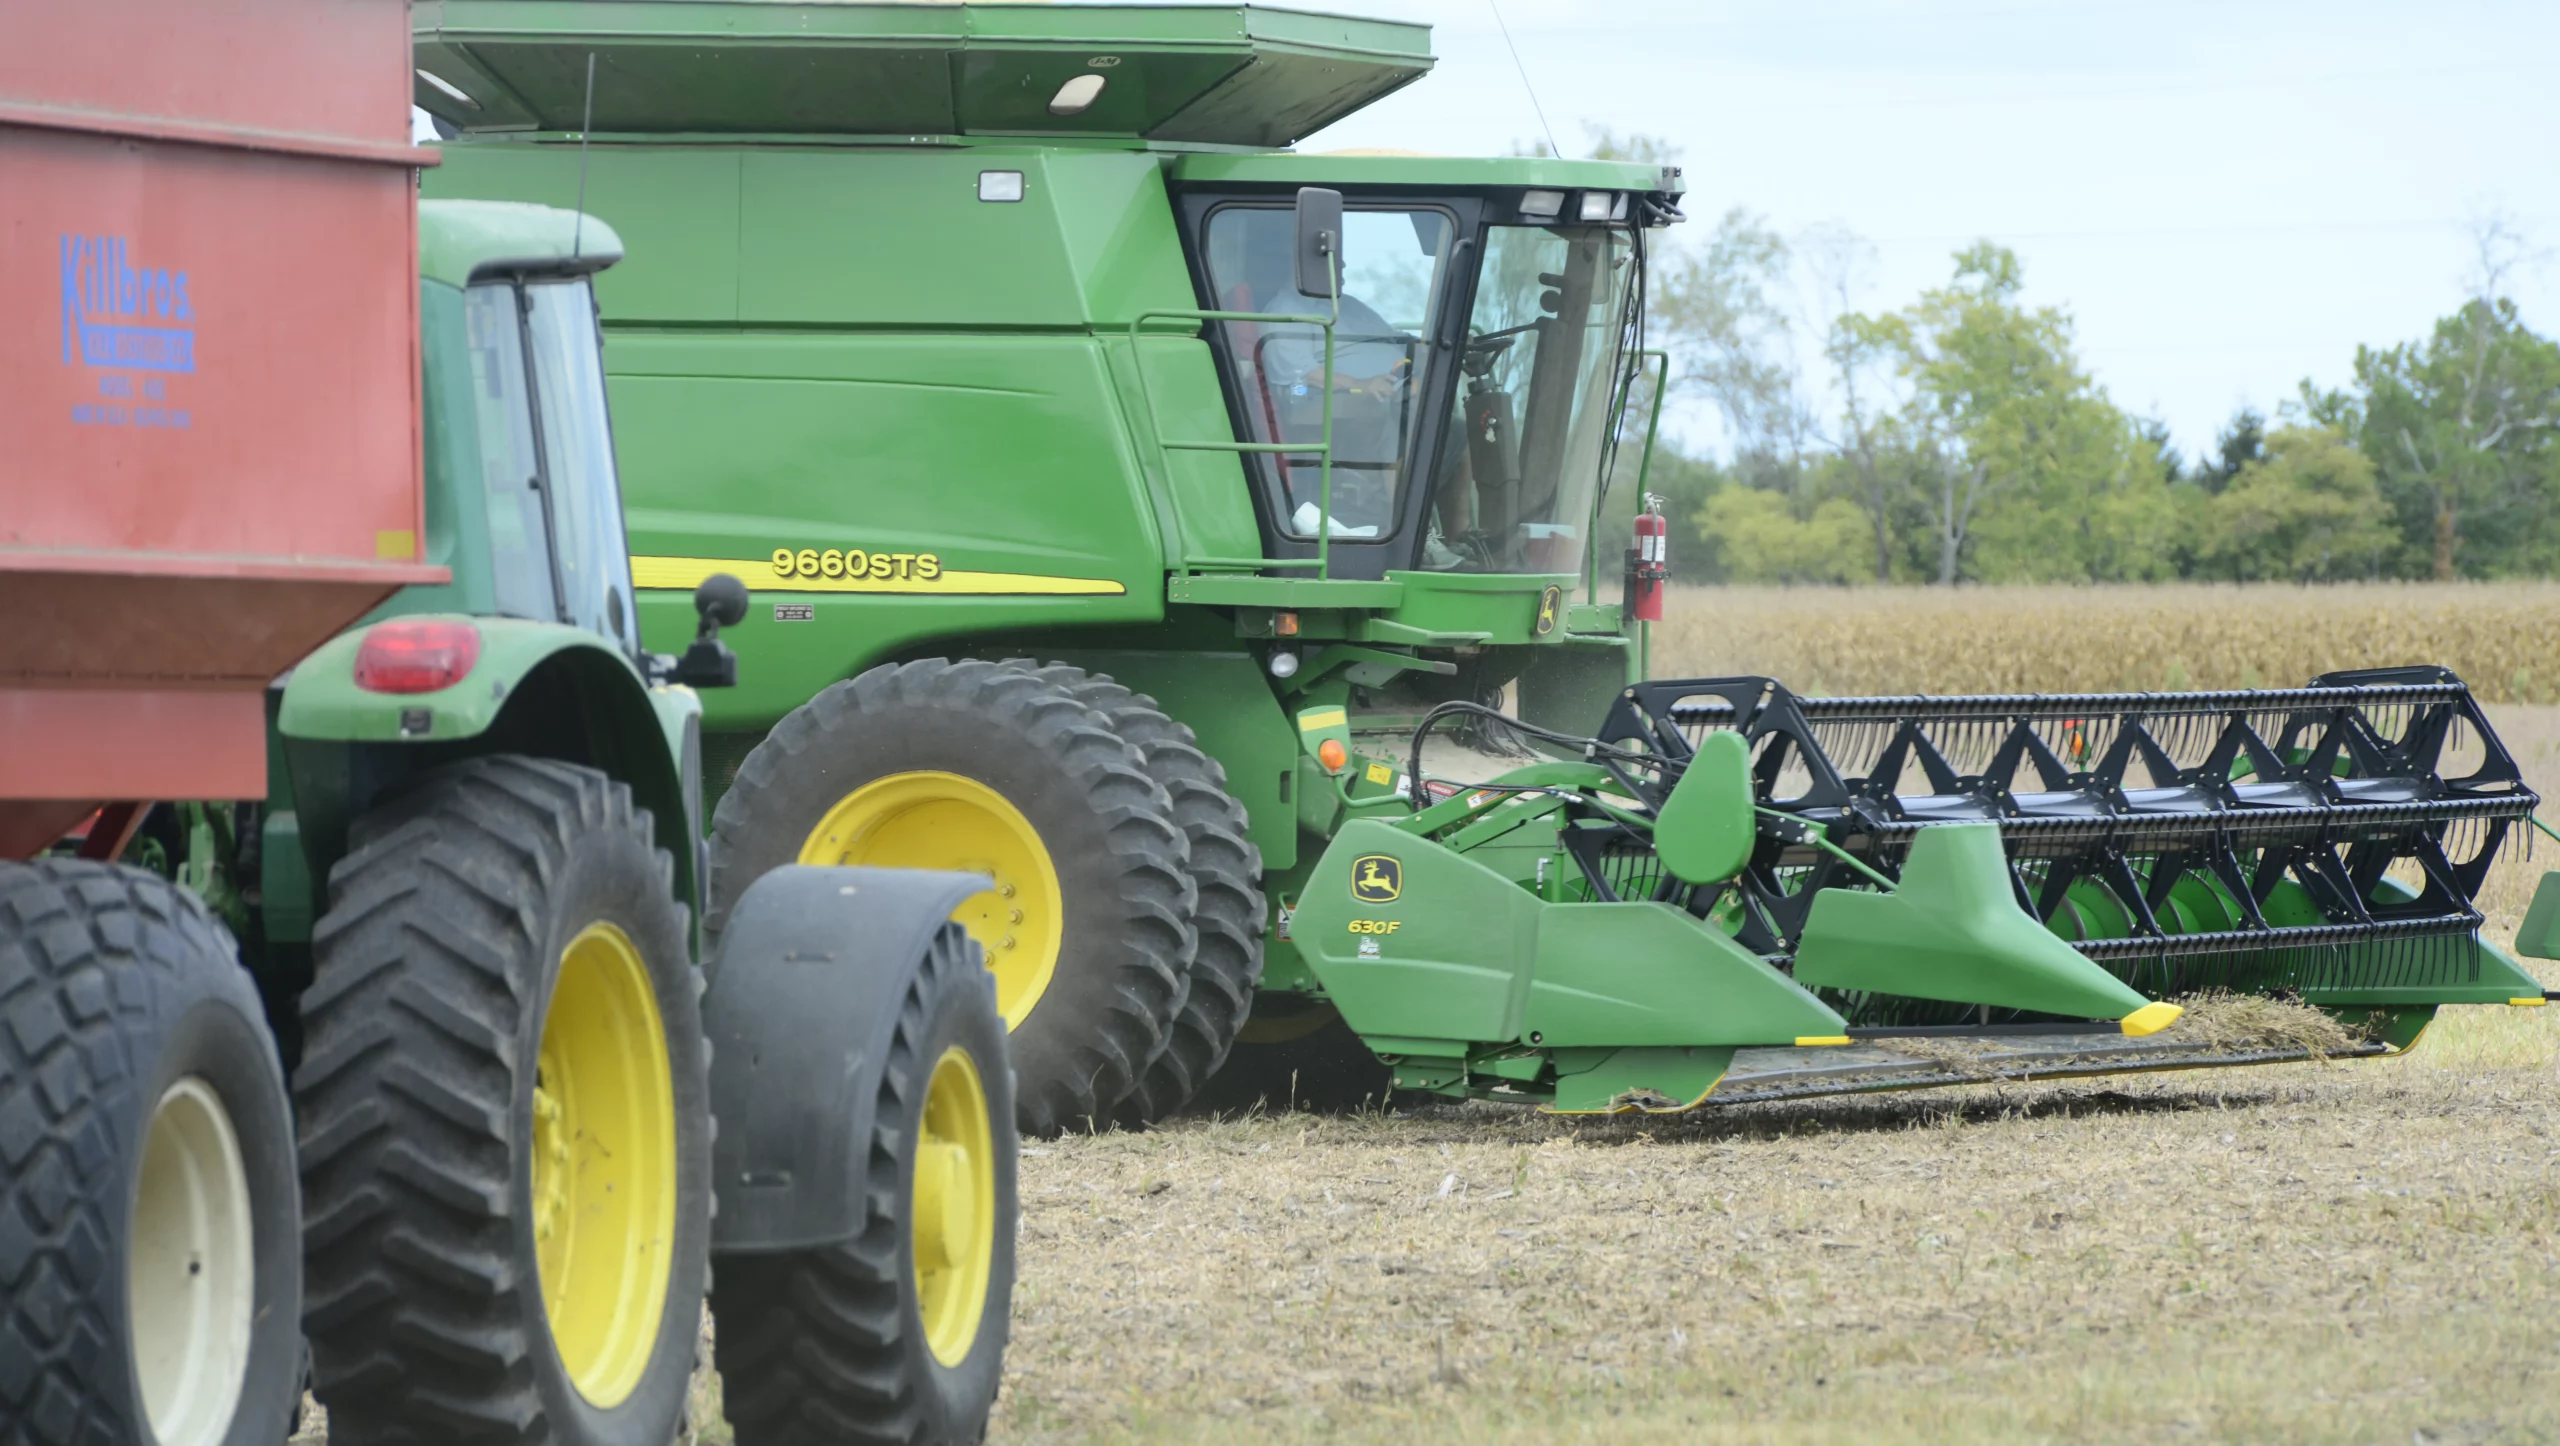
2349,1252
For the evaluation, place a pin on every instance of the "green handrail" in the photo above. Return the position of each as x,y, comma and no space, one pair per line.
1322,561
1644,465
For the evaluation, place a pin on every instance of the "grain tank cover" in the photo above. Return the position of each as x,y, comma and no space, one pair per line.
1244,75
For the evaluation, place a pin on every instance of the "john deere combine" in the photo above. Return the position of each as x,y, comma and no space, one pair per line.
1130,499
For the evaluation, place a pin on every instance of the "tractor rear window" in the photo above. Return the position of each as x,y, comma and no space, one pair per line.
1395,271
519,541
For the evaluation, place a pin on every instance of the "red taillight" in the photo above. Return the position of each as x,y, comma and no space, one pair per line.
416,655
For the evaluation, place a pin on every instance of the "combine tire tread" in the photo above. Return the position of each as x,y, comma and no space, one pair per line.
434,963
114,984
825,1347
1226,871
1129,941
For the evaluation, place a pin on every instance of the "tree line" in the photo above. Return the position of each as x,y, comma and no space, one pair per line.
1960,438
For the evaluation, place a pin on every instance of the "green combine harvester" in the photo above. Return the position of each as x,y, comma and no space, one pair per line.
1205,541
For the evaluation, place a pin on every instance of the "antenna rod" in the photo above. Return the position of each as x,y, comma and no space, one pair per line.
1553,149
578,232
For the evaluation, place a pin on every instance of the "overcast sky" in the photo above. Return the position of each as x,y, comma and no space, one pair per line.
2227,196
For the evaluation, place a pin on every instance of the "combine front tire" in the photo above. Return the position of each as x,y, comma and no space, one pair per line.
898,1335
992,769
148,1221
505,1132
1226,871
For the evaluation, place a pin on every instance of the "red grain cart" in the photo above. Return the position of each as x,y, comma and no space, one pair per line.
209,463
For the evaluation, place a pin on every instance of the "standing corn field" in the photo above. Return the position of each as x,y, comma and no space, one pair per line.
1825,641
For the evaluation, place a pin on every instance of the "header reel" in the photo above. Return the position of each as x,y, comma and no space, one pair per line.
2304,840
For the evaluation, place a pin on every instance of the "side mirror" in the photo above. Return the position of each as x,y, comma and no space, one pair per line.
721,601
1319,248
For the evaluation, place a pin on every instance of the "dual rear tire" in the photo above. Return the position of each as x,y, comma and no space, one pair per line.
505,1121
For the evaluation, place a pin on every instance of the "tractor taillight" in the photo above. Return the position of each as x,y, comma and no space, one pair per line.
416,655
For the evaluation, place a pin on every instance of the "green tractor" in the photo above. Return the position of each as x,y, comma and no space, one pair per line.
1204,542
469,905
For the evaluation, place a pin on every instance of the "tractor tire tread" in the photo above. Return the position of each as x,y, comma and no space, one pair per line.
415,1297
93,956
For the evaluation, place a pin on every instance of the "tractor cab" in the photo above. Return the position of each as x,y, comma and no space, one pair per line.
1482,336
523,501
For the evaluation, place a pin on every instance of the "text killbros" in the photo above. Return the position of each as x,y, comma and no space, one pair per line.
111,309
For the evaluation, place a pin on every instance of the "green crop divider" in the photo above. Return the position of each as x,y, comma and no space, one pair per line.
1322,561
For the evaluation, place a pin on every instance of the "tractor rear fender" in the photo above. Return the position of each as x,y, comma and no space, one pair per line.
543,690
1415,941
812,970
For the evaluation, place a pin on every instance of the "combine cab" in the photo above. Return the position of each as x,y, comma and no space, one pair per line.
1124,494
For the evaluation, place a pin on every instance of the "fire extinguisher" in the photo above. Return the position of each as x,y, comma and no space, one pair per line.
1648,563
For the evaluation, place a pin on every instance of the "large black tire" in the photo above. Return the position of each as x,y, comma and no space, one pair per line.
830,1347
448,933
133,1055
1107,829
1226,875
1297,1054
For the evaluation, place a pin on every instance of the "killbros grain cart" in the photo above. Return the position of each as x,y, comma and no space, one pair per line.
985,334
453,908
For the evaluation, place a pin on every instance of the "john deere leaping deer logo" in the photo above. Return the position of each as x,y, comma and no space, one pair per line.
1376,879
1549,603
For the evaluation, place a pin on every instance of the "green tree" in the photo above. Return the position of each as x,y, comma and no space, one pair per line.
2460,427
2039,477
2307,508
1753,535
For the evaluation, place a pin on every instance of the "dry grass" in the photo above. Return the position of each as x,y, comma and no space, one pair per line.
2105,639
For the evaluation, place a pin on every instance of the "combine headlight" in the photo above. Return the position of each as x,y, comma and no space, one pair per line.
1541,203
1601,205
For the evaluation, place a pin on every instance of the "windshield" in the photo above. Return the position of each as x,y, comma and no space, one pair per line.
519,539
1516,480
577,452
1396,264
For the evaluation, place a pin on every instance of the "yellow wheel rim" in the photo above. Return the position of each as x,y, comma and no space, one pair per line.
955,1206
945,821
604,1165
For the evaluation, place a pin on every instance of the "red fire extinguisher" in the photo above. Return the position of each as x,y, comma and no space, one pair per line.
1648,563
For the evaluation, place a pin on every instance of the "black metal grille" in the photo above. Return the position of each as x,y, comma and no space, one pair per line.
2320,837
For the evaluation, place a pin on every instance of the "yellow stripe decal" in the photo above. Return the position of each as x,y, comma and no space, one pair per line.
1809,1041
2530,1001
687,573
1315,719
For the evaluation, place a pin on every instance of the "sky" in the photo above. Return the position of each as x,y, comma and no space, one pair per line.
2227,197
